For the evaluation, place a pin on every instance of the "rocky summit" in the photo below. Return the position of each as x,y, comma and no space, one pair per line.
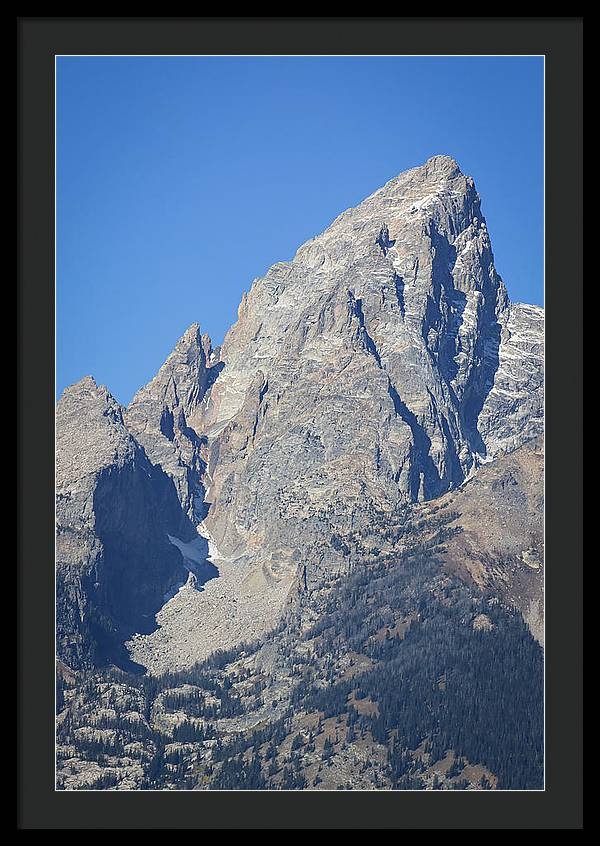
114,562
378,394
382,365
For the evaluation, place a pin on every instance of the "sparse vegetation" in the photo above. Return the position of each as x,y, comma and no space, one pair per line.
377,678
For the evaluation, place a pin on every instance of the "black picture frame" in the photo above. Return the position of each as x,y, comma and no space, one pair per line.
560,41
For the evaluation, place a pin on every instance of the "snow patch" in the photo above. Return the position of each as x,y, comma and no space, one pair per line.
194,552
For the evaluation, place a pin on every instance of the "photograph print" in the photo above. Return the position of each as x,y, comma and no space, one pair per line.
299,423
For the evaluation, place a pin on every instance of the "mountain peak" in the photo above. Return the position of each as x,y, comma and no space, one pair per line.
186,363
418,349
193,341
86,383
443,164
90,431
191,335
438,175
290,472
161,413
88,392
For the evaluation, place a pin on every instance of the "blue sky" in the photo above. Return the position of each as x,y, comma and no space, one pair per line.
179,180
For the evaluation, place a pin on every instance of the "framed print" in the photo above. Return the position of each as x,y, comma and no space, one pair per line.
298,518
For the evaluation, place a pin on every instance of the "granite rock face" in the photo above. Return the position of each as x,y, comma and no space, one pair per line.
160,413
378,369
513,411
383,364
113,509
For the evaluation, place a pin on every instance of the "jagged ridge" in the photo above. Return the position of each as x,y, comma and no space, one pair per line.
380,367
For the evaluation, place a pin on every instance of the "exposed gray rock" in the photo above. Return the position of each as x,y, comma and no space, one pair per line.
513,411
160,412
113,510
380,367
367,370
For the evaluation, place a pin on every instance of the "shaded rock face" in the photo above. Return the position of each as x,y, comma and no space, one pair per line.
113,510
384,363
381,367
160,413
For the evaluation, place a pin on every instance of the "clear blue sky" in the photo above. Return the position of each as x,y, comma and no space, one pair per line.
179,180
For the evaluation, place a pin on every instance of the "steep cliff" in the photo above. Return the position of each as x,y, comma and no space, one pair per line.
381,367
114,561
159,416
383,364
346,499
